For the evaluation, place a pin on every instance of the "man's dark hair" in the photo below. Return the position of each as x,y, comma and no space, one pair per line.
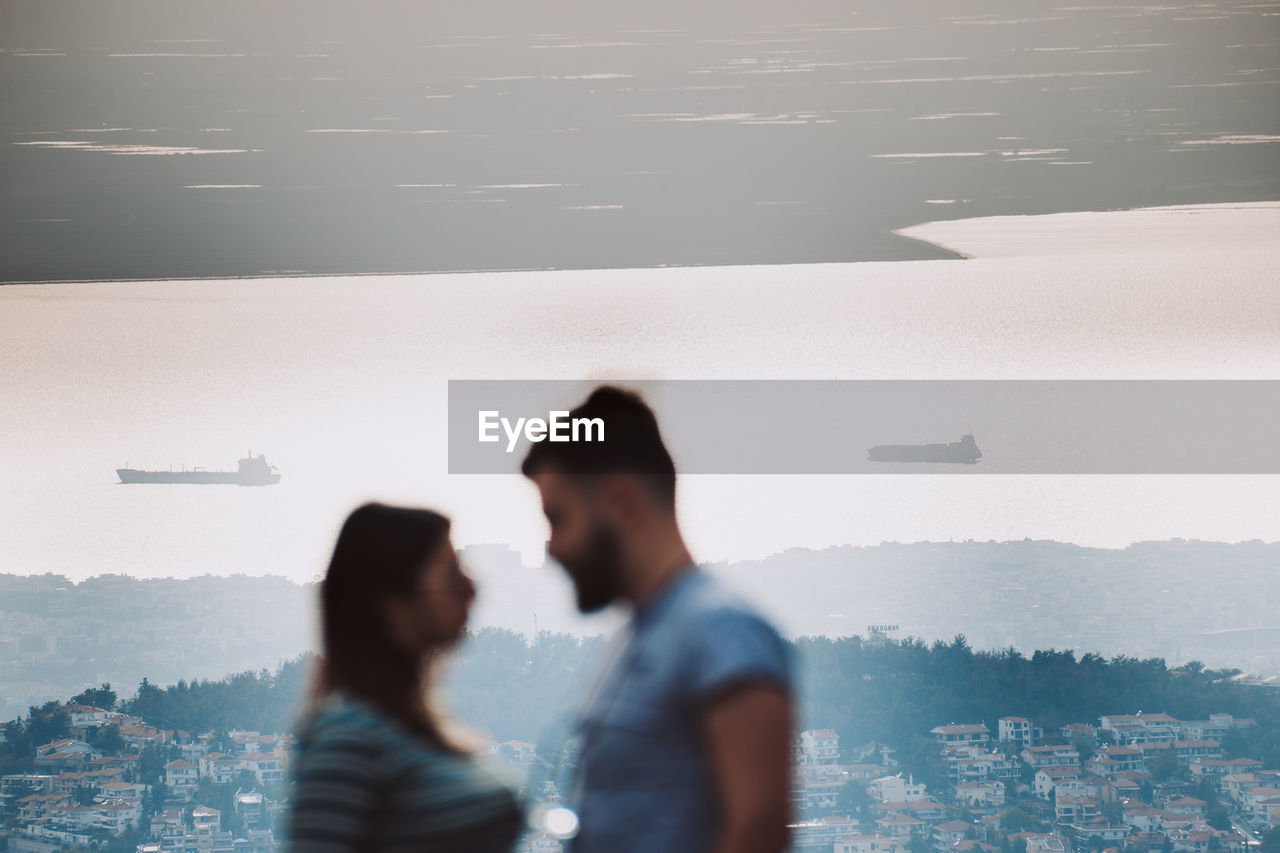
632,444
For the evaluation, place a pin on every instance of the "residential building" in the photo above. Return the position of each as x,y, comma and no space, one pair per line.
1236,785
961,734
895,789
868,844
949,833
900,826
1258,803
181,776
1185,806
821,834
1037,843
1110,760
981,794
1061,755
817,746
1048,778
1076,811
1017,731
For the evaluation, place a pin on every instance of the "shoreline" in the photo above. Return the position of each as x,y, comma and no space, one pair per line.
976,238
1140,230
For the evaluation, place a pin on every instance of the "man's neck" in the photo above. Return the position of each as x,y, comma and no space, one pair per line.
655,570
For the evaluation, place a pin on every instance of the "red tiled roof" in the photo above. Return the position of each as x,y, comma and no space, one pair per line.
966,729
899,820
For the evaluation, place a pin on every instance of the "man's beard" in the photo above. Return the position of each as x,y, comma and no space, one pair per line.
597,572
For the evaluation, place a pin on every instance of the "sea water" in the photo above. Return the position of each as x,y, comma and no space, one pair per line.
342,383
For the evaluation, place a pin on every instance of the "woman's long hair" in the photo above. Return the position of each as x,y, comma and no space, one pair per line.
379,555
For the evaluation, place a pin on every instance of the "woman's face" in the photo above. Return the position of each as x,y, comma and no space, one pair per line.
435,614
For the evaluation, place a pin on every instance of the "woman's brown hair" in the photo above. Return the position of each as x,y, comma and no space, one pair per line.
379,554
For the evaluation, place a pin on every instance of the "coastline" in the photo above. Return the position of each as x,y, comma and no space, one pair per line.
343,382
1139,230
1244,226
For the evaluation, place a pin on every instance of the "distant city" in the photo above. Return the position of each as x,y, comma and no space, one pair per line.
1140,782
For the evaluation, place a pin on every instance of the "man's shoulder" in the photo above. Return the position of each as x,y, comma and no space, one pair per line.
723,639
704,598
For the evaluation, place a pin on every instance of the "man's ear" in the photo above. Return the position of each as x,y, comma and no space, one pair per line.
620,498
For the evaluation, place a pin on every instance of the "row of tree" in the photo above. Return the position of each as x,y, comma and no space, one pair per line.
889,692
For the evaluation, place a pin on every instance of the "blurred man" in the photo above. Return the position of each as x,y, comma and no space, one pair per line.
686,735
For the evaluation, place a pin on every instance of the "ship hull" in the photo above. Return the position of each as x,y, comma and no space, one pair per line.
198,478
918,453
964,452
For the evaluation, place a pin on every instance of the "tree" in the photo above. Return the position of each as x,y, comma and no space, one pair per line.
18,791
1083,742
919,844
1219,818
126,842
1166,766
96,697
853,800
154,799
107,740
151,762
1271,840
48,723
1018,819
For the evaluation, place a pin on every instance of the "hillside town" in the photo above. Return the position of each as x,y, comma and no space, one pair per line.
114,774
1137,783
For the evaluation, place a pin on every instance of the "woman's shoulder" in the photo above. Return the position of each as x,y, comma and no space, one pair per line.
338,720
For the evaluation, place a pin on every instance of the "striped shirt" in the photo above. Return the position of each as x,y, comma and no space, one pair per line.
363,782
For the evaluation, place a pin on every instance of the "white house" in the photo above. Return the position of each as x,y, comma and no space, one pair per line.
1017,730
981,794
182,776
867,844
1048,778
895,789
1060,755
817,746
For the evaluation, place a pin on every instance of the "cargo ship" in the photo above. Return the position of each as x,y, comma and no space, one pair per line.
964,451
250,471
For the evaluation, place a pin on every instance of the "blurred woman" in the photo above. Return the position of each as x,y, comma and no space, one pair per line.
375,768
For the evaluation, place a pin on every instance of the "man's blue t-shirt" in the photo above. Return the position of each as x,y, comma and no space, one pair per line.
644,780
